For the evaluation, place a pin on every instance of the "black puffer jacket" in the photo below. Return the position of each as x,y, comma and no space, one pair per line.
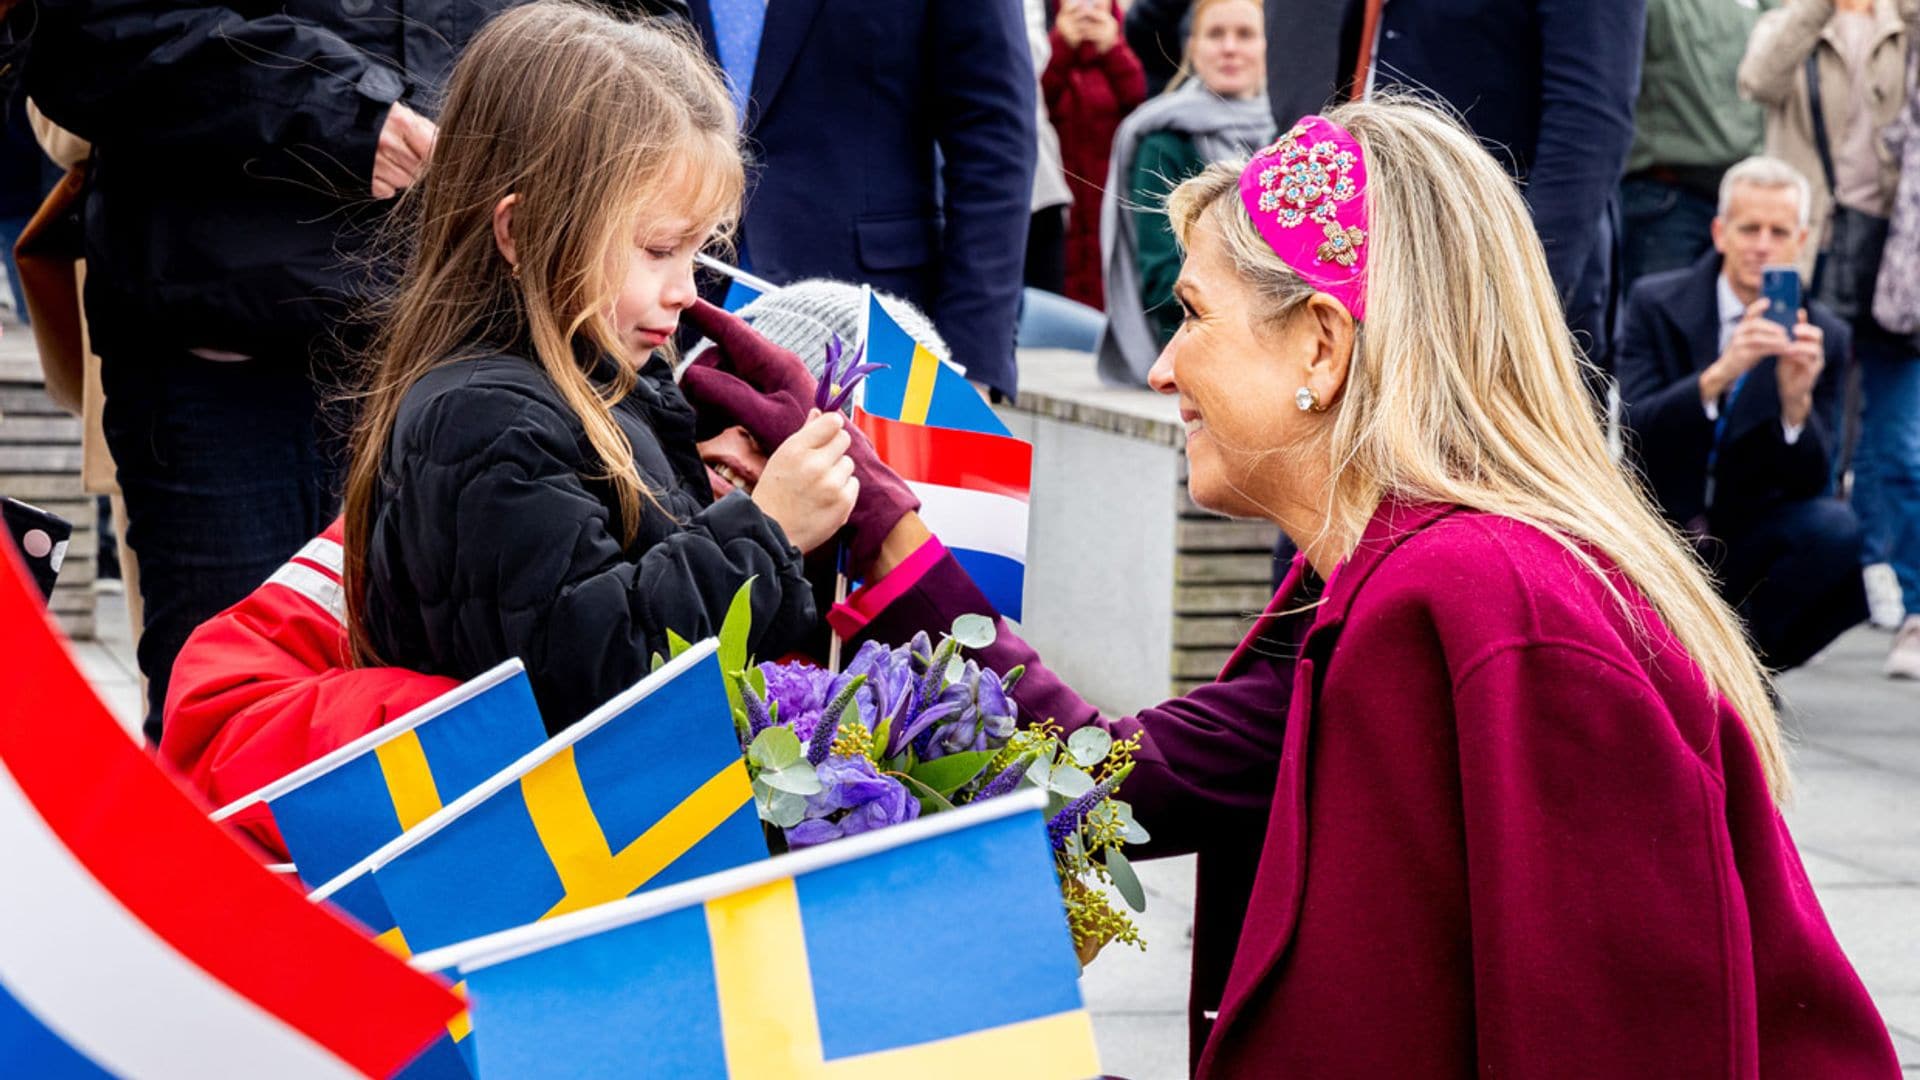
489,539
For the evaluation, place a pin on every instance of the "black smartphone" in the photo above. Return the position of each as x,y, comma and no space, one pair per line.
40,537
1780,285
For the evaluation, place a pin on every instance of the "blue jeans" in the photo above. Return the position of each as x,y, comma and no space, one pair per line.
1886,468
1666,227
1051,321
227,468
10,230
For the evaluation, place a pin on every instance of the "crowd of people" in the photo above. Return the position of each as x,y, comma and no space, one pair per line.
385,312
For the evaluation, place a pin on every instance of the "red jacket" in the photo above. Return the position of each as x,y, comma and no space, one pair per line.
265,687
1088,93
1508,833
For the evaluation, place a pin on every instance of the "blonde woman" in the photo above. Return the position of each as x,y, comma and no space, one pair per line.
1491,789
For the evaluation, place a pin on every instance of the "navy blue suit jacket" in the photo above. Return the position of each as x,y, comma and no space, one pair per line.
1669,334
895,144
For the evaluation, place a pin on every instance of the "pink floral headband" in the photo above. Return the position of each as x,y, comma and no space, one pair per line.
1306,194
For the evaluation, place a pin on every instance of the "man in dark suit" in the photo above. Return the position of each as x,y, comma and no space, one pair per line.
1733,420
896,147
1547,85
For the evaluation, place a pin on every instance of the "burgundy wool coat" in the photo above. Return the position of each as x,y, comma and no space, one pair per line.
1508,833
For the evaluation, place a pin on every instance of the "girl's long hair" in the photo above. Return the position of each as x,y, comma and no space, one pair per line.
598,126
1465,387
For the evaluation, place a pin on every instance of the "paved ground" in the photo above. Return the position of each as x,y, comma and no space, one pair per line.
1856,816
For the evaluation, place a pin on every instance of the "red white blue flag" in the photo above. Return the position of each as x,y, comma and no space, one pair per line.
136,938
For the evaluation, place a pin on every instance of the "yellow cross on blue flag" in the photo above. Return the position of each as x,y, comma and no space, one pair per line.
335,810
936,950
649,789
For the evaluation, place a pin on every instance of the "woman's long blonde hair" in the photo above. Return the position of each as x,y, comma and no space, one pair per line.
1465,387
597,125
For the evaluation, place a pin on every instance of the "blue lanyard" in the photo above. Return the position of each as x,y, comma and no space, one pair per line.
1720,433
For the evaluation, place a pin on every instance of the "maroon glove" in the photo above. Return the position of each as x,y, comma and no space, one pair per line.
747,380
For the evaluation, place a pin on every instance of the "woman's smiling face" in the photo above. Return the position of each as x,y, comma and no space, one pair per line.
1235,385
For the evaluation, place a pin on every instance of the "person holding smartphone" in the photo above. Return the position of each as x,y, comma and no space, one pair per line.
1732,388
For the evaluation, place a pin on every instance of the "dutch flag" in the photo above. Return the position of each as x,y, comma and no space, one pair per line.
136,939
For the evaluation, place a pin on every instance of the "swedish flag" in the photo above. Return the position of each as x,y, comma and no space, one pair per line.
648,789
936,949
915,387
338,809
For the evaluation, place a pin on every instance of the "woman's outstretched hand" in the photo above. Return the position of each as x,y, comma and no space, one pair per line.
808,486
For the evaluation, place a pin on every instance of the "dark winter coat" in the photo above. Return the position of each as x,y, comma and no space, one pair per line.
1669,334
1088,93
1508,832
491,539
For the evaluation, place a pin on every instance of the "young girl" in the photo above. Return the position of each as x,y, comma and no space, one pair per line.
525,480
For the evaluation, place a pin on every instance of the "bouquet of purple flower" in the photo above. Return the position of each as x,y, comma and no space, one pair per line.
919,729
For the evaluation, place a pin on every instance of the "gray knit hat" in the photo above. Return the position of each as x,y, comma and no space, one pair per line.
805,315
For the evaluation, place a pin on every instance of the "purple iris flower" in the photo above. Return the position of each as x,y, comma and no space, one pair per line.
841,374
854,798
983,717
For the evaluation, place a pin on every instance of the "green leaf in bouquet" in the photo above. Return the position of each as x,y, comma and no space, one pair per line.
949,774
734,630
758,680
1069,780
775,748
658,663
973,631
956,670
1133,832
1012,678
798,779
786,809
1088,745
880,732
1056,802
1125,880
931,801
676,644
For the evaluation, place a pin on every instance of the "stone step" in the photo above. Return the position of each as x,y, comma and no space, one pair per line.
1210,631
18,400
1212,568
1248,600
1199,663
1224,534
40,459
41,488
61,430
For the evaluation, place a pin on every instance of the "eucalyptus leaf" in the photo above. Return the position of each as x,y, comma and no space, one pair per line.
798,779
786,809
1135,833
1041,770
1056,802
956,671
1069,781
973,631
775,748
1125,880
1088,745
949,774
